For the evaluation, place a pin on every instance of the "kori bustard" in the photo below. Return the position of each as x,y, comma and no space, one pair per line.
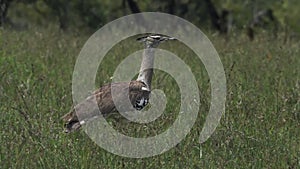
138,90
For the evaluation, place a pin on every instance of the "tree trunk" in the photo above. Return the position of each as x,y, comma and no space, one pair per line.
214,16
133,6
221,22
4,4
171,7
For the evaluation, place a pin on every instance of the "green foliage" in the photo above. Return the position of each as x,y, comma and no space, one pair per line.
288,14
260,128
92,14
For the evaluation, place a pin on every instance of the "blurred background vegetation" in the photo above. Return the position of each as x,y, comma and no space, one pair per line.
222,16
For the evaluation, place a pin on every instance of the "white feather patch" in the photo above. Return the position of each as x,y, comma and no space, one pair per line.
145,89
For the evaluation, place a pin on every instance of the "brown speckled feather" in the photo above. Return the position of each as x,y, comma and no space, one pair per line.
86,111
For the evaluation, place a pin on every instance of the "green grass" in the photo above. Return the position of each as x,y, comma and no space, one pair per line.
260,128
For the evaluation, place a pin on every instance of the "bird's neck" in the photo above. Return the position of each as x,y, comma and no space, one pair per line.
146,70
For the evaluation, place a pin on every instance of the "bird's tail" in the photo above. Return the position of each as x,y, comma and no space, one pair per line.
71,122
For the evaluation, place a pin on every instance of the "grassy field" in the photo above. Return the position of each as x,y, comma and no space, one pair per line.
260,128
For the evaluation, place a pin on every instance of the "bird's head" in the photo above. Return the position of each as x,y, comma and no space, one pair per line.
152,41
